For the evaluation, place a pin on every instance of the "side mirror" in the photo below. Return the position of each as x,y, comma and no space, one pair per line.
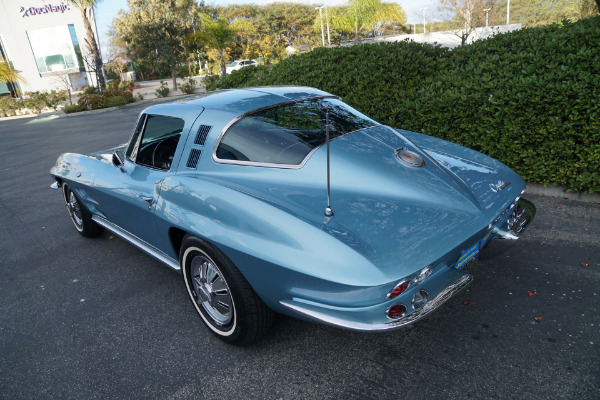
117,160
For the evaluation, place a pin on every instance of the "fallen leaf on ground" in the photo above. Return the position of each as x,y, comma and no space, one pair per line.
532,293
467,302
538,319
43,227
111,237
584,264
559,206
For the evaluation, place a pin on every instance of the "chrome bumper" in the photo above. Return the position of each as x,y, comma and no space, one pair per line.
349,320
505,236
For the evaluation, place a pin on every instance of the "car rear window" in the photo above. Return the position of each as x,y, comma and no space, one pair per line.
286,134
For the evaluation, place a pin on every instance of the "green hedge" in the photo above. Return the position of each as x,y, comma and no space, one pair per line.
529,98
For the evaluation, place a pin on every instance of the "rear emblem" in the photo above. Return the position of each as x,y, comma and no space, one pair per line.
410,158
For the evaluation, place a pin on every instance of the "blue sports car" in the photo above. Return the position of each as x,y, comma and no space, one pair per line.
286,199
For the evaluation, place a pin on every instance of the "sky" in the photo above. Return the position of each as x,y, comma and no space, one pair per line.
107,10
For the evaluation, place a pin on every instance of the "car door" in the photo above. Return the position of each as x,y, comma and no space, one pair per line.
126,195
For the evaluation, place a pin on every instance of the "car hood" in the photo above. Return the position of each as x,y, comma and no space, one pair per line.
392,214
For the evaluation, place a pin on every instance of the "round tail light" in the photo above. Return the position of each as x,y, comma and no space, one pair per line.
396,311
398,289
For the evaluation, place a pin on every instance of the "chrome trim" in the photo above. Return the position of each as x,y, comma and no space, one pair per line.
55,185
427,309
134,240
268,165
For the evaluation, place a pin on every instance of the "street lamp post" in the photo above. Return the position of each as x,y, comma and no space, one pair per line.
321,19
507,12
424,29
486,11
327,19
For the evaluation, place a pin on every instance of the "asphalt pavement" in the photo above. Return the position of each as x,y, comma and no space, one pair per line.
98,319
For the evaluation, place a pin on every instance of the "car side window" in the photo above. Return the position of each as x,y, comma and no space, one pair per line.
155,141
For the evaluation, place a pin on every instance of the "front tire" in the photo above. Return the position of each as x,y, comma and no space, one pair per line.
221,295
81,217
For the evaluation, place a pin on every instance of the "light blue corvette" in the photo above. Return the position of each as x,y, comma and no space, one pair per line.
285,199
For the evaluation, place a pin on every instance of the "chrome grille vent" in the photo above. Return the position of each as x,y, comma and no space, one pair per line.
192,161
202,134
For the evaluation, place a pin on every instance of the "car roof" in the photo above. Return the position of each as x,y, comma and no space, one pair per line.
235,101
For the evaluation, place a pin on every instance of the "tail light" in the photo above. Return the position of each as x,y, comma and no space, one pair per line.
398,289
396,311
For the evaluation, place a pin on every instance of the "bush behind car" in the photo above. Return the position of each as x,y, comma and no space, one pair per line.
529,98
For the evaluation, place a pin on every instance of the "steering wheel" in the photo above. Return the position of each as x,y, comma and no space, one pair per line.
162,158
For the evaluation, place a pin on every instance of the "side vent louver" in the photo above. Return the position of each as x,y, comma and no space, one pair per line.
192,162
202,134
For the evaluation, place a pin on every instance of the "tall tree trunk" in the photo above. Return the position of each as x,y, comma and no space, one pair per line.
93,45
223,67
598,5
174,75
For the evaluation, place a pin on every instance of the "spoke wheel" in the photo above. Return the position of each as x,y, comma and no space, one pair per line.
81,217
212,292
221,295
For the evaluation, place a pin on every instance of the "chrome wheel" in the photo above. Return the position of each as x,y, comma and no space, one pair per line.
211,290
74,210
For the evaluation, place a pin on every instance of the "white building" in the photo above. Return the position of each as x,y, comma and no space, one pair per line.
45,42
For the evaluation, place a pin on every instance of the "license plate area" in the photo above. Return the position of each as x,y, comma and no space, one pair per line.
467,256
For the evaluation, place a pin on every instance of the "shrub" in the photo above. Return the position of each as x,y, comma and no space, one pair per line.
72,109
54,98
92,101
163,90
127,95
128,85
90,90
188,87
115,101
8,106
528,98
114,84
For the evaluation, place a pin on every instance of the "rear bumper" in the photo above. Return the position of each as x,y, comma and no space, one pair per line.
506,235
372,319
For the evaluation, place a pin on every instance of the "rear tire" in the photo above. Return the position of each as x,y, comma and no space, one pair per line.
81,217
221,295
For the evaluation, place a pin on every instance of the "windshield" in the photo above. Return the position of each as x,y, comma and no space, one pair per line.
233,64
286,134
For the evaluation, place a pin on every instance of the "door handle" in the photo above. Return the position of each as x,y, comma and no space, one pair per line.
147,199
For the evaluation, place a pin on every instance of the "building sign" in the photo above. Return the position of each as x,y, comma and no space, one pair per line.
47,9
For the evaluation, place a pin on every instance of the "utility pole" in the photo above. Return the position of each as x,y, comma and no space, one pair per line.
327,19
321,19
424,29
486,11
507,12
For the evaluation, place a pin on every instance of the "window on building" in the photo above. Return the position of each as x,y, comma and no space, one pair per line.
56,48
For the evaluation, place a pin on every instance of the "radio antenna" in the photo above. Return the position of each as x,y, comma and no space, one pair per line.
328,210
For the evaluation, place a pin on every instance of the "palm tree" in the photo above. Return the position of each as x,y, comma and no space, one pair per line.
220,34
365,15
8,73
86,6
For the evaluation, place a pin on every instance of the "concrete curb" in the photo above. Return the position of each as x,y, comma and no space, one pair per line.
559,191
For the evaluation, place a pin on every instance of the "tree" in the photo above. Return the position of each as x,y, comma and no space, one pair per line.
85,6
219,34
467,14
367,15
532,13
155,31
8,74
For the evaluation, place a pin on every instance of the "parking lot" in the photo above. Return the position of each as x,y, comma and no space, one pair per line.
98,319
